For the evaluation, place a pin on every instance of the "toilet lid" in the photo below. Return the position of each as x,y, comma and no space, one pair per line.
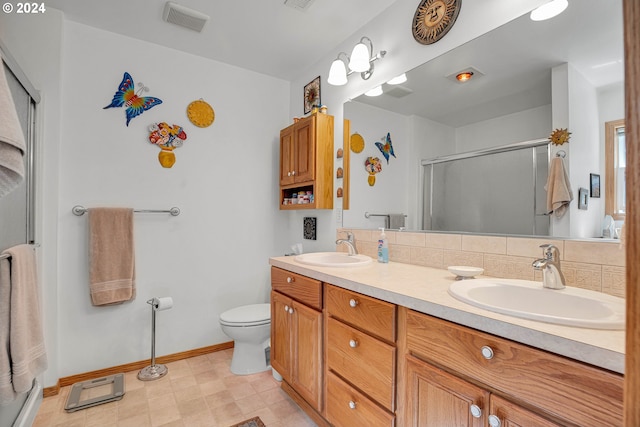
247,315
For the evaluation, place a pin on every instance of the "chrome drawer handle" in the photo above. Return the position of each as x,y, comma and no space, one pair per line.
353,343
494,421
476,412
487,352
290,279
352,404
353,303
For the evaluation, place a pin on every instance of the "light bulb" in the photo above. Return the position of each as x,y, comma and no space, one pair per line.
398,79
360,58
376,91
549,10
337,73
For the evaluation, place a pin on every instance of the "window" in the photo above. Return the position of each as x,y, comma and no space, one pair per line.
615,167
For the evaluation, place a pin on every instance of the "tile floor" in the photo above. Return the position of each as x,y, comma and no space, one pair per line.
196,392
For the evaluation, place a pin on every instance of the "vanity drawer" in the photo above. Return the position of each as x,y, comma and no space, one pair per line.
366,313
300,288
578,393
347,407
367,363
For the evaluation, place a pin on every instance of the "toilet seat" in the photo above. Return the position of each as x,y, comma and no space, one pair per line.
247,315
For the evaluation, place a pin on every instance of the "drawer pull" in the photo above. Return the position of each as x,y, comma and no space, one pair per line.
286,308
291,279
290,310
353,343
353,303
352,404
494,421
476,412
487,352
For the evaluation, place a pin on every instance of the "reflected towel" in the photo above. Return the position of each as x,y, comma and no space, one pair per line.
22,351
111,256
12,146
558,187
396,221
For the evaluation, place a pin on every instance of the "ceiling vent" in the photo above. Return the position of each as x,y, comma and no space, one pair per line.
183,16
298,4
398,91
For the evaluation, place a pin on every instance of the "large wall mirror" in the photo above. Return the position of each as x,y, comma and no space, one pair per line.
529,78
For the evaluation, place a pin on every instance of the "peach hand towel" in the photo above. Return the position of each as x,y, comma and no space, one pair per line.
22,355
111,256
12,145
558,187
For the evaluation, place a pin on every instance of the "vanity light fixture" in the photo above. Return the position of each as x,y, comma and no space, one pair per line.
548,10
361,61
376,91
398,79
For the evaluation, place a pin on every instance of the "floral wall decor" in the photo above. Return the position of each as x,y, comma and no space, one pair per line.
385,147
373,166
167,138
127,97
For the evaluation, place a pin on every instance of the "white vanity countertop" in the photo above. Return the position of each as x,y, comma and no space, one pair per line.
424,289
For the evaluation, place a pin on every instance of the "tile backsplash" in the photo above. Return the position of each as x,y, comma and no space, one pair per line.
595,265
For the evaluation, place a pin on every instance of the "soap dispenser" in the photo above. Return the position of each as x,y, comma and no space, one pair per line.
383,247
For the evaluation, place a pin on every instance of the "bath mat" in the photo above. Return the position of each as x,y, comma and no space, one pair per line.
253,422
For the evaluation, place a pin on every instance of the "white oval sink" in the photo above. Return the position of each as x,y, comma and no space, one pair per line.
529,300
333,259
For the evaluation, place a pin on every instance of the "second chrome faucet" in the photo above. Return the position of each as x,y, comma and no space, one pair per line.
552,276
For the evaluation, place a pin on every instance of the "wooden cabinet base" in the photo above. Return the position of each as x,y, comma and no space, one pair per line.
308,409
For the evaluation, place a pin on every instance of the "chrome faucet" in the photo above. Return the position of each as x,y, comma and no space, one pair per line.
552,276
350,241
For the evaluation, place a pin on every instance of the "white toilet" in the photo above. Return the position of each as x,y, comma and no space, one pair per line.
250,328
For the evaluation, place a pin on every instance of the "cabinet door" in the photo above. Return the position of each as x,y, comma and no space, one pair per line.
512,415
304,150
281,334
307,350
437,398
286,156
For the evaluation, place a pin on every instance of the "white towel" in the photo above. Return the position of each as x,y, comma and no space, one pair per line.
12,146
558,187
22,351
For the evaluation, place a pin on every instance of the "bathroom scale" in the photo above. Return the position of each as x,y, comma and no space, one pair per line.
90,393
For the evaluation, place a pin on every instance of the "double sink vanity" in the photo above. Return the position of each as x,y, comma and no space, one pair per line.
360,343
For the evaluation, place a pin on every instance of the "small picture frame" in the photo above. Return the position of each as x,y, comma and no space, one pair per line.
594,179
312,95
583,199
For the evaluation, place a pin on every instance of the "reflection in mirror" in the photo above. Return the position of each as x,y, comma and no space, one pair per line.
529,79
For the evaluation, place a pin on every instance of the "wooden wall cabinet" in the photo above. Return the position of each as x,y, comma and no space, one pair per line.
296,333
457,373
306,161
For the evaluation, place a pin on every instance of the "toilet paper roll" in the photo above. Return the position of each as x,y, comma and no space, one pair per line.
164,303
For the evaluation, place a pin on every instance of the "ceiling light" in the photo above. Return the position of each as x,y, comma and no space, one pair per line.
398,79
361,61
549,10
464,77
376,91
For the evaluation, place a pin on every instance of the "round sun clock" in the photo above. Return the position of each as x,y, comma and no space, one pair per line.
433,19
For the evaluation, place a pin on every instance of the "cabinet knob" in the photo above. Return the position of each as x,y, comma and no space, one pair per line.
352,404
476,412
286,308
487,352
494,421
353,343
290,310
288,173
353,303
293,173
290,279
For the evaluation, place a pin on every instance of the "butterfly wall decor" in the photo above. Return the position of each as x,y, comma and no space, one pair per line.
386,147
127,96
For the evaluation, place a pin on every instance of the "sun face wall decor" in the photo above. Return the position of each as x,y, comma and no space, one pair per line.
127,97
433,19
312,95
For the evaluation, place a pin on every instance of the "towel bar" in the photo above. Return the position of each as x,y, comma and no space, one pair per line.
174,211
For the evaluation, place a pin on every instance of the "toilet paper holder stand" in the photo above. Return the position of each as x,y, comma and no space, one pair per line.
153,371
